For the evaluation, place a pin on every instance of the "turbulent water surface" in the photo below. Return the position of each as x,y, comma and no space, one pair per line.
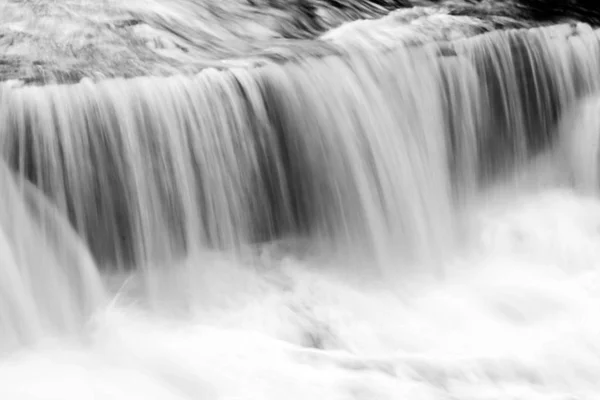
411,211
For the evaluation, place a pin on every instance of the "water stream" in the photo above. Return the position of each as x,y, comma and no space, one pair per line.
418,221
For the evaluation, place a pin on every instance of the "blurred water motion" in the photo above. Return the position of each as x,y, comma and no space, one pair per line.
374,220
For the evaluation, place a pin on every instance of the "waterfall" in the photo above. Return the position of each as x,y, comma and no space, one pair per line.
49,283
580,137
370,153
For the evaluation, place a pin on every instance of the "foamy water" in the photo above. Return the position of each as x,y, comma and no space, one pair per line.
200,187
517,318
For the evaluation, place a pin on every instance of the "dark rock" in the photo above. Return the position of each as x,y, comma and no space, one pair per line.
587,11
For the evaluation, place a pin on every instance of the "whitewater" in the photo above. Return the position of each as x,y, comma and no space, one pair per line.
517,319
409,212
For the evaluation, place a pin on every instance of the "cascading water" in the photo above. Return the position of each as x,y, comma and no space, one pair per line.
374,159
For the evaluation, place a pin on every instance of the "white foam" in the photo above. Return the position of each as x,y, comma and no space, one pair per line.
516,319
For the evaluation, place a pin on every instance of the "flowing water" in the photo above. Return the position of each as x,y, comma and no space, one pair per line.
415,221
